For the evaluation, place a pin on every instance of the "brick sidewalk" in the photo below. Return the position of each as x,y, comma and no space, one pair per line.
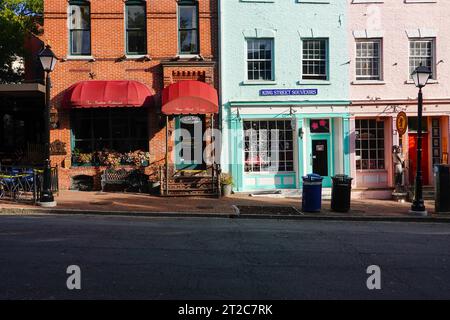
140,203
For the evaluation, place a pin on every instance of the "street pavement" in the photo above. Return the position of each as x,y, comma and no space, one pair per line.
220,258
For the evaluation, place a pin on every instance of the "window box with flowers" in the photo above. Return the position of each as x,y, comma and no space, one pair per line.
110,158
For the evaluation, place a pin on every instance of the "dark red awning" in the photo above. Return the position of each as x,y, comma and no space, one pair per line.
113,93
189,97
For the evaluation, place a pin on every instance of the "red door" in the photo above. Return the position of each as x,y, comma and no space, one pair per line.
413,158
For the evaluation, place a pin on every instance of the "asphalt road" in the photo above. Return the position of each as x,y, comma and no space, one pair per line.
209,258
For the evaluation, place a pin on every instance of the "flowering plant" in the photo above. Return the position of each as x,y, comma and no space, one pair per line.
85,158
138,157
226,179
79,157
109,158
112,158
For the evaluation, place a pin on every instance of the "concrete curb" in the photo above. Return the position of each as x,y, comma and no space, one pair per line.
349,218
236,214
26,211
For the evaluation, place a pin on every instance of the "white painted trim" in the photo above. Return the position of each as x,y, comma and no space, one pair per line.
367,33
421,32
80,57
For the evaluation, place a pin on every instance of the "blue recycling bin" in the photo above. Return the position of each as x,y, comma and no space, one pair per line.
312,193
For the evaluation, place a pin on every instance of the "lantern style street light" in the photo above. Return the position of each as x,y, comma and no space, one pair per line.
48,61
420,76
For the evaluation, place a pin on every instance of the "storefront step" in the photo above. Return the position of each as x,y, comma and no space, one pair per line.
190,193
287,193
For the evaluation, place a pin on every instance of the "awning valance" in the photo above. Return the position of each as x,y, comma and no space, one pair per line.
189,97
112,93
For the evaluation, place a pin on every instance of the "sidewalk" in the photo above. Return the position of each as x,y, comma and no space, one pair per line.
237,205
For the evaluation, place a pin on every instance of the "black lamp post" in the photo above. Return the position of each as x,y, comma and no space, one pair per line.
48,61
420,77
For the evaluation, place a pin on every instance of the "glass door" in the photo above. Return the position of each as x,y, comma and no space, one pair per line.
320,149
189,143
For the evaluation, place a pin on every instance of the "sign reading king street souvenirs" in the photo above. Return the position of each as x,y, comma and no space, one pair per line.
288,92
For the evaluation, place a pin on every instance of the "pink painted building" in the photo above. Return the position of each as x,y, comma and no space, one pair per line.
388,39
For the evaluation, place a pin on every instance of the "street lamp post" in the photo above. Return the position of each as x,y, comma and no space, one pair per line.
48,61
420,76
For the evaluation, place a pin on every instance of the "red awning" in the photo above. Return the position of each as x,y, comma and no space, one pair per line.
189,97
113,93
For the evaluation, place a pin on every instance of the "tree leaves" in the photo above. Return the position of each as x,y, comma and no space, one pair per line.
18,18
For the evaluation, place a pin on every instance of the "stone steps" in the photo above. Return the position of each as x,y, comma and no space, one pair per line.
191,186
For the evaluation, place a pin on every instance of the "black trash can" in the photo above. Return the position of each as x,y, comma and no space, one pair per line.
341,192
442,188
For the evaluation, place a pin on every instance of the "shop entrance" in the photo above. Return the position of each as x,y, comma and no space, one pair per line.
320,149
412,150
320,157
413,158
189,142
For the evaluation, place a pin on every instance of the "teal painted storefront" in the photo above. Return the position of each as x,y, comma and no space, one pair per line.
287,23
303,150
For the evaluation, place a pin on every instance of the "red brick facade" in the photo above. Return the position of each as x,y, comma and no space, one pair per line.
107,48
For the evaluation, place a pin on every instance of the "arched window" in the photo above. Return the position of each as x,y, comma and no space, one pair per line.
80,27
136,27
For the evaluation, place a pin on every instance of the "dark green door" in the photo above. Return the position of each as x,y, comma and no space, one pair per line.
189,142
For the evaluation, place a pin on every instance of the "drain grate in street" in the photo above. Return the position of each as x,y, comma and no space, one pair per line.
271,210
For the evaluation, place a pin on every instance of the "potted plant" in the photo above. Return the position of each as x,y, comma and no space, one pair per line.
138,158
109,158
81,158
226,181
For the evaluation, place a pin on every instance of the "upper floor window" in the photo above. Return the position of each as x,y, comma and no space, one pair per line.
368,59
188,42
259,59
421,52
80,27
136,27
315,59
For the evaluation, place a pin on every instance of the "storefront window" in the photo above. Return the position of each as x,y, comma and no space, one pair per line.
369,144
114,129
319,126
436,140
413,124
268,146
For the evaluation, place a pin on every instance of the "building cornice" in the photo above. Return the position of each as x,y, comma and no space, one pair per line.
399,102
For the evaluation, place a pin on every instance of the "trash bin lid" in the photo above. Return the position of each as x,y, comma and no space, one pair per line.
342,178
312,177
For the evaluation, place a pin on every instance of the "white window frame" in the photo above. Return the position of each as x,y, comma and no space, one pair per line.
369,148
268,146
325,60
70,55
380,60
272,47
433,55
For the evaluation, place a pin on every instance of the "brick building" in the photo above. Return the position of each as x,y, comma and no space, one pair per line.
115,59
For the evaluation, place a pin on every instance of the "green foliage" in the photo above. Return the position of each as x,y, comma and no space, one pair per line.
18,18
226,179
